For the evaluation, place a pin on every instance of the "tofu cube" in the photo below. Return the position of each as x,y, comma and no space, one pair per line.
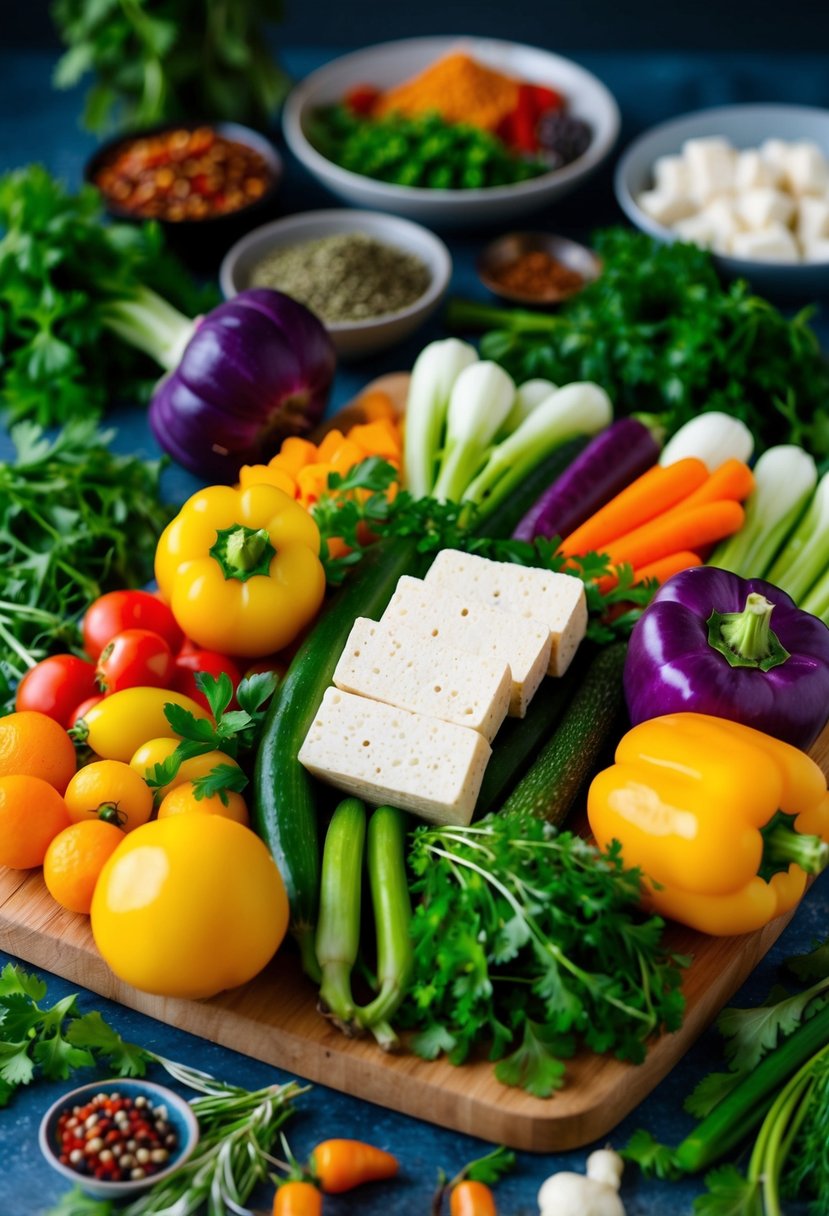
816,250
389,662
711,166
773,244
665,208
556,600
812,222
807,170
723,217
696,230
775,154
389,756
752,171
761,208
466,624
671,177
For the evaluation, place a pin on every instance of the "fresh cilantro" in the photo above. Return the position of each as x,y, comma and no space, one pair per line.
221,780
812,967
710,1091
655,1160
90,1031
750,1034
532,942
728,1193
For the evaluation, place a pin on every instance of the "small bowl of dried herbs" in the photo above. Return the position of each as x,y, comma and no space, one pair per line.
372,279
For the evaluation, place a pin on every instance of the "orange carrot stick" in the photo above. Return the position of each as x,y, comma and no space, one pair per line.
733,479
674,531
651,495
667,567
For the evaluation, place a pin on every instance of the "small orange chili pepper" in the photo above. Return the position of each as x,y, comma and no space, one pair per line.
472,1199
340,1165
297,1199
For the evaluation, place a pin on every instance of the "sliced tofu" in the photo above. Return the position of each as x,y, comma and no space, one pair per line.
773,244
775,154
464,622
665,208
390,756
556,600
390,662
711,166
764,207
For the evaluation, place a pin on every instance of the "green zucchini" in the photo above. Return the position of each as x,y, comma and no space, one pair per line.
519,740
502,520
555,780
284,806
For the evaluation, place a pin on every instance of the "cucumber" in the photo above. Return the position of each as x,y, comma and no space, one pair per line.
553,783
284,806
520,739
502,520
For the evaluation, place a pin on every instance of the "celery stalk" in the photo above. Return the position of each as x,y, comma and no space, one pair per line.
817,599
435,371
481,399
784,478
804,558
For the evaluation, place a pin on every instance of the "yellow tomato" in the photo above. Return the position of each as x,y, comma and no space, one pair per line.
189,906
156,751
109,790
117,726
183,801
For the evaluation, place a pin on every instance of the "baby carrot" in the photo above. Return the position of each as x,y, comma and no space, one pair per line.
733,479
340,1165
652,494
472,1199
297,1199
666,567
676,530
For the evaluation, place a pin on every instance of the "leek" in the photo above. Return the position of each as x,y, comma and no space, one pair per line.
436,369
581,408
481,399
713,438
804,558
816,600
784,478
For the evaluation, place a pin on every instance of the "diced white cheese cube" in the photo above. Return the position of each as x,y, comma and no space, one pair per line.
773,244
751,171
671,177
711,165
775,153
390,662
807,170
816,250
467,624
812,222
697,230
664,208
763,207
723,217
556,600
390,756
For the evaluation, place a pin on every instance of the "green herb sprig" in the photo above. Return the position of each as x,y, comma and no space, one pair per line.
532,942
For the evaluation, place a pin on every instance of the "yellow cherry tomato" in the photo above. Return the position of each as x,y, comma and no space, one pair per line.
183,801
109,790
156,751
117,726
189,906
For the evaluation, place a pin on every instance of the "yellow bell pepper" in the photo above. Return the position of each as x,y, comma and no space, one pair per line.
724,821
241,570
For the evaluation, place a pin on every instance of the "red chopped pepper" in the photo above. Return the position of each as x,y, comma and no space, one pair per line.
362,98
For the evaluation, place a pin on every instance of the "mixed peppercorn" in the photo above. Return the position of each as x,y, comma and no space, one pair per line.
115,1138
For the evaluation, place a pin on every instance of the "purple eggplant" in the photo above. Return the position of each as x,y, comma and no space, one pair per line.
611,461
713,643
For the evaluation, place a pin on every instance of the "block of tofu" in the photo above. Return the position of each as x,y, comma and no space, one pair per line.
806,168
812,222
722,216
773,244
711,166
697,230
556,600
763,207
467,624
670,176
389,756
666,208
752,171
816,250
775,153
390,662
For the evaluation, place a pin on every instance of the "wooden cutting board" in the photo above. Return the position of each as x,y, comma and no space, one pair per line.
274,1019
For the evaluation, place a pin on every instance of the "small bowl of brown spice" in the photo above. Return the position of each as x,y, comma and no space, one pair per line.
537,267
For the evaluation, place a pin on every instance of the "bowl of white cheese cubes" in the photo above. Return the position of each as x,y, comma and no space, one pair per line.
750,183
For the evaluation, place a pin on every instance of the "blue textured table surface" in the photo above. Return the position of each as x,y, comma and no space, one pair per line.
38,124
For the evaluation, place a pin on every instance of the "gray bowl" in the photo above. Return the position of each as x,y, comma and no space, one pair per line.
746,127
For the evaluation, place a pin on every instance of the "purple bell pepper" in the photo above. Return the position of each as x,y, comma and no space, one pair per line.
705,644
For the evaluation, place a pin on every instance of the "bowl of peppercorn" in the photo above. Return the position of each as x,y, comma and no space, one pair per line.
372,279
204,183
115,1138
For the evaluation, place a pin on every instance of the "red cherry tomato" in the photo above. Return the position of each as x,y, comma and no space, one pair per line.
190,661
135,658
120,610
56,685
82,710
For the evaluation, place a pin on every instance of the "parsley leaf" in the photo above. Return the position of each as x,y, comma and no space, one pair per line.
812,967
535,1064
92,1032
751,1033
655,1160
728,1193
76,1203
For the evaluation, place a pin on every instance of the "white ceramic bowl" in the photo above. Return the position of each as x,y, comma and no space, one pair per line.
746,127
352,339
179,1116
392,62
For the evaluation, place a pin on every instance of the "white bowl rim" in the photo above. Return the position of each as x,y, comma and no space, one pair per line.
302,93
165,1094
441,272
627,201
